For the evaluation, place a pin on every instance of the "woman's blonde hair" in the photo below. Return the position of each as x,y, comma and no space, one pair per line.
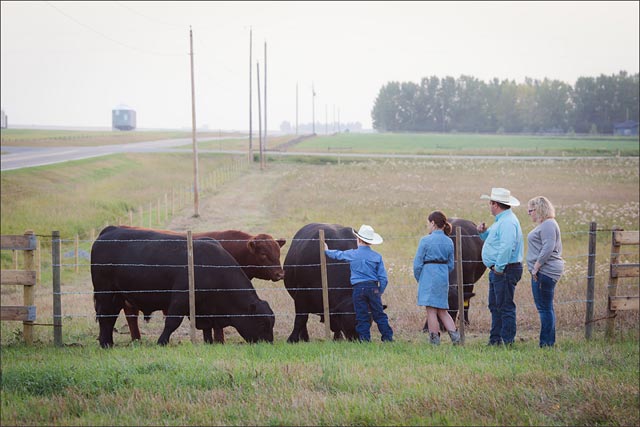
542,207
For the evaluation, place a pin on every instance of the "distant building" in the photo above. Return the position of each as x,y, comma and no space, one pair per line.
123,118
4,120
627,128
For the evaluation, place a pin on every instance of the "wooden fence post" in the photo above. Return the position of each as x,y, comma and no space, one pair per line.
192,291
325,288
57,303
26,278
77,253
39,262
617,270
591,272
613,285
460,277
29,291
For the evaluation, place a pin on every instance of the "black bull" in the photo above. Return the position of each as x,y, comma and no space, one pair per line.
303,281
303,278
148,269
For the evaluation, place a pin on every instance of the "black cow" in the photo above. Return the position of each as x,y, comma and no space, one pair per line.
149,270
303,281
472,266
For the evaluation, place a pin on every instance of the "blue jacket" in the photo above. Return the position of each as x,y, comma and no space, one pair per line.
366,265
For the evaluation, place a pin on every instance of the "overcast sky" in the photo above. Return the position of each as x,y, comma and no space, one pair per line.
71,63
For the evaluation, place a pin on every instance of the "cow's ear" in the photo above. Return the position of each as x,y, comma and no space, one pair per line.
281,242
251,244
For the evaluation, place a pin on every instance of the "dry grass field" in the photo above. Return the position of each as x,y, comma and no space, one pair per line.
395,197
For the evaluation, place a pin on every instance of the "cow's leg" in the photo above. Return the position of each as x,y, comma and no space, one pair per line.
171,323
107,310
218,335
131,314
206,335
299,329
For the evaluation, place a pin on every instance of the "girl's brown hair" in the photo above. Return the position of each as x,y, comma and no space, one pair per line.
440,220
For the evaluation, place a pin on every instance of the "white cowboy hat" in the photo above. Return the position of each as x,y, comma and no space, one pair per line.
366,234
503,196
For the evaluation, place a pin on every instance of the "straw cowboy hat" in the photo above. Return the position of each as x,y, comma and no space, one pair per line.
501,195
366,234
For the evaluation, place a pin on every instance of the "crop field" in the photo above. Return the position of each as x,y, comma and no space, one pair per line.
394,196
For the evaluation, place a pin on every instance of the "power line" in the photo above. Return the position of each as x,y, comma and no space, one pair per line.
110,38
153,20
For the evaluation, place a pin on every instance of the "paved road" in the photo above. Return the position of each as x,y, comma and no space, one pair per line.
25,157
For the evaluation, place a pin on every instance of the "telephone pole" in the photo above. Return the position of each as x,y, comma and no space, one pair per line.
259,114
196,201
264,140
313,108
250,98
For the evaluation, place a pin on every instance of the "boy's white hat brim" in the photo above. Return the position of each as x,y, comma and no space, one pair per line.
366,234
501,195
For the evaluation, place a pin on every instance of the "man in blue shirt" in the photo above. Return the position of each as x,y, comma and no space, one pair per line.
369,280
502,253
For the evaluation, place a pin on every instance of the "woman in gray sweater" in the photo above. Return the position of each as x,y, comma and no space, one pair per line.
545,263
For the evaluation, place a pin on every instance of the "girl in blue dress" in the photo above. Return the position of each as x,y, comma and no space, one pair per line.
431,267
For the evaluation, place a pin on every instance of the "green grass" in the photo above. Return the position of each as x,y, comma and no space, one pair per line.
472,144
325,383
86,194
322,383
45,137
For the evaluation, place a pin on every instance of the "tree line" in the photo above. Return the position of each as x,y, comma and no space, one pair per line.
467,104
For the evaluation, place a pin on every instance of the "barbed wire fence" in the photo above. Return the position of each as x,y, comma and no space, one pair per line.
58,266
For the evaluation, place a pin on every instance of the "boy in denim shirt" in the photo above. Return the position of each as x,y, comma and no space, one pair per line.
369,280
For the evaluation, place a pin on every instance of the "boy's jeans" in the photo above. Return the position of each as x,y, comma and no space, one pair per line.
367,303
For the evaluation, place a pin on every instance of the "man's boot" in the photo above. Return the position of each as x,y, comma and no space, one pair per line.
434,338
455,337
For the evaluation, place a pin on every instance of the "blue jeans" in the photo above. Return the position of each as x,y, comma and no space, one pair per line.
543,290
502,288
367,303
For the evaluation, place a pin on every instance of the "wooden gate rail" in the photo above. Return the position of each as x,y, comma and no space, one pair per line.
26,278
617,269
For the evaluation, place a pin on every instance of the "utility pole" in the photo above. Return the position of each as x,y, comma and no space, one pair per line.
338,119
196,201
264,140
296,108
333,128
313,108
250,98
326,119
259,113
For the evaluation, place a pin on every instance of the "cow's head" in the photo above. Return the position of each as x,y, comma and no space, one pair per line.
265,257
258,324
